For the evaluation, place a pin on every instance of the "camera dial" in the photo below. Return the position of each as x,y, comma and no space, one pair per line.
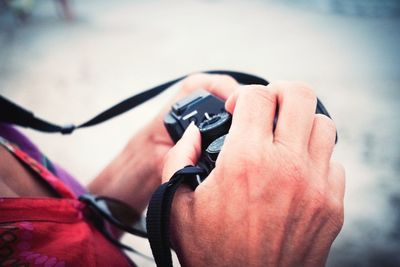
210,155
214,126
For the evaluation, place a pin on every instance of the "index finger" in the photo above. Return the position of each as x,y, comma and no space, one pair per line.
253,108
219,85
297,105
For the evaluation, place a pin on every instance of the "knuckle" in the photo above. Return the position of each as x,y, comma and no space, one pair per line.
193,77
300,89
192,81
304,90
327,122
218,81
326,125
224,78
339,169
335,206
318,201
210,82
278,85
245,95
336,210
325,203
252,92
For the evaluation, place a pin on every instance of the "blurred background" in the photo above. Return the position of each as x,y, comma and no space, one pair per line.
68,60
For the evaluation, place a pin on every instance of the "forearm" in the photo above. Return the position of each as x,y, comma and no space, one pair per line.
134,174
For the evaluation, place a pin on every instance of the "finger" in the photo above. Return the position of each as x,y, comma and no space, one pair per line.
231,101
186,152
336,181
220,85
322,139
297,104
254,111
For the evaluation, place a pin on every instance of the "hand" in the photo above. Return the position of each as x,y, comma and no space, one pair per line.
135,173
220,85
274,197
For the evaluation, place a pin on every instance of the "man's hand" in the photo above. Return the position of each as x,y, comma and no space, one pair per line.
136,172
219,85
274,197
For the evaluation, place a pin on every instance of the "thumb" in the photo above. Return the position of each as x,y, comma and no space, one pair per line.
186,152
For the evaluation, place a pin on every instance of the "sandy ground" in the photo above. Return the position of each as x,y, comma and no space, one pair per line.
69,71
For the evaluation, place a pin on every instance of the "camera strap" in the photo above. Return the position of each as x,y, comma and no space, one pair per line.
159,210
17,115
158,214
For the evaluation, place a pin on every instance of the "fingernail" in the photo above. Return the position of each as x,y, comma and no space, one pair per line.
192,126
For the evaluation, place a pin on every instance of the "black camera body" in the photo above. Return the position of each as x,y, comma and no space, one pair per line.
208,113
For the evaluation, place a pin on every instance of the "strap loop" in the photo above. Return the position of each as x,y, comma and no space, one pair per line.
158,213
67,129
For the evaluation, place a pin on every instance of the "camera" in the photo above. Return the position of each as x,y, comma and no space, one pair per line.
208,113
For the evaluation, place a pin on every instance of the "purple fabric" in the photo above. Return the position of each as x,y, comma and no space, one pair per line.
13,135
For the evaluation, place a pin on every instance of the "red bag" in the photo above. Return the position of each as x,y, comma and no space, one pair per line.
51,231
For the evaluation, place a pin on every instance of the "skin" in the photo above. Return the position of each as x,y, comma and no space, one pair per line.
274,198
118,180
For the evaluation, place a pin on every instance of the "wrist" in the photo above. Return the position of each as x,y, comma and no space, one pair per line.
134,174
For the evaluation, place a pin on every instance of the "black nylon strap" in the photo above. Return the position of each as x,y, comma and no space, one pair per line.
15,114
158,213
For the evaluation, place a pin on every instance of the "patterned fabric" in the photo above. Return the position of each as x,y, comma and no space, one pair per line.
12,135
50,231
